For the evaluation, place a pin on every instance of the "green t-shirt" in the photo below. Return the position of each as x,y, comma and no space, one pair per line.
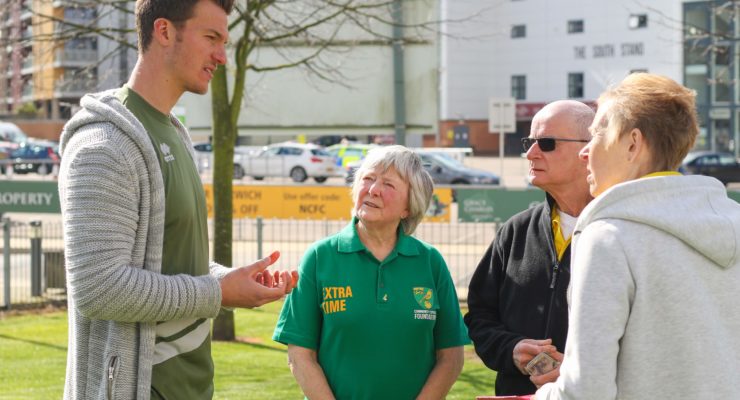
375,325
183,368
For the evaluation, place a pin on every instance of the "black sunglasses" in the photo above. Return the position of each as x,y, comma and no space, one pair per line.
546,143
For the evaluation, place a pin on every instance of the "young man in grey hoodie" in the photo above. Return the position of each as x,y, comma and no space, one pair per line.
141,290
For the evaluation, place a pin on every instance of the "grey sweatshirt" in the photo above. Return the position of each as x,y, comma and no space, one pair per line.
655,304
112,199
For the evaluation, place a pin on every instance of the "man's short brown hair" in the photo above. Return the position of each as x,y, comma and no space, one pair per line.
177,11
663,110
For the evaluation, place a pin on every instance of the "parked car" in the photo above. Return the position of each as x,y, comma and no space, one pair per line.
330,140
444,169
35,157
295,160
11,136
5,160
347,153
204,158
723,166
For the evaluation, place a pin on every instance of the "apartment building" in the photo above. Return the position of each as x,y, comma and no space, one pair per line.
49,61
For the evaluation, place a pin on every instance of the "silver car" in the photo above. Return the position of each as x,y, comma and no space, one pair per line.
295,160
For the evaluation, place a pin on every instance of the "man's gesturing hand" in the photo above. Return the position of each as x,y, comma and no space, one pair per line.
251,286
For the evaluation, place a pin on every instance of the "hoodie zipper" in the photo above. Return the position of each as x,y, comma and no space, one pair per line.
111,375
555,273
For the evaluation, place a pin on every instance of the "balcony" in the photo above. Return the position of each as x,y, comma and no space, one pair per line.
27,33
27,91
75,57
81,16
27,65
77,87
26,13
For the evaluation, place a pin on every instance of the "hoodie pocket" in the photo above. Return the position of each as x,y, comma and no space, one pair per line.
110,375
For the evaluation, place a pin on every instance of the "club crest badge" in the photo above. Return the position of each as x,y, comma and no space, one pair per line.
424,296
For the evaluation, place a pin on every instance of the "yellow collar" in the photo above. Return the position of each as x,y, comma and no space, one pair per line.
560,242
661,173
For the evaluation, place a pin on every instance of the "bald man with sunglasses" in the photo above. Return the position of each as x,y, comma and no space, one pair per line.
517,296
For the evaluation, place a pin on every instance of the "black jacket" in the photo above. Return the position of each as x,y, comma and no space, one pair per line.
518,292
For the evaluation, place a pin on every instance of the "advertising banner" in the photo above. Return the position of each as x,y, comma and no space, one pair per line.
495,204
309,202
29,197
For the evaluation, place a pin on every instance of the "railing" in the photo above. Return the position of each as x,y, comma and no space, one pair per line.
27,63
33,273
32,265
84,56
27,90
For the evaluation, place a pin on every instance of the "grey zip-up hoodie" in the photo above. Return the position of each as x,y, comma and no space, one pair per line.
655,304
112,199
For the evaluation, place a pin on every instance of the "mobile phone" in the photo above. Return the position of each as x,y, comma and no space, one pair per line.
541,364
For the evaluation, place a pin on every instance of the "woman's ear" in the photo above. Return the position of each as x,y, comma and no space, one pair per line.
636,145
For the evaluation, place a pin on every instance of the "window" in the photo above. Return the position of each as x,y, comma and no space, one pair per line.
518,31
721,71
696,70
727,159
723,16
575,26
575,85
638,21
519,87
696,19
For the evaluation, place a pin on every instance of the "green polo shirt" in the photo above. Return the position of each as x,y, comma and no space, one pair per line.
183,367
375,325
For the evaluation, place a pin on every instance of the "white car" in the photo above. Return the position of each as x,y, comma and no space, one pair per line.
295,160
204,157
11,135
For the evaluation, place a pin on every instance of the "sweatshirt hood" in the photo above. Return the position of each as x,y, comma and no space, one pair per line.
694,209
103,107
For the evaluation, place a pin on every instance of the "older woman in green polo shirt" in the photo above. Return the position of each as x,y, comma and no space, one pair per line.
375,314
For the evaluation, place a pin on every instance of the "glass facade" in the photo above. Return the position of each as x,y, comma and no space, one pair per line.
711,38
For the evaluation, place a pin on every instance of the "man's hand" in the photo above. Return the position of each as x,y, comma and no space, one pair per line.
271,280
251,286
551,376
526,349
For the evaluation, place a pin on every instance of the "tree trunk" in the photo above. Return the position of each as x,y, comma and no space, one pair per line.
224,137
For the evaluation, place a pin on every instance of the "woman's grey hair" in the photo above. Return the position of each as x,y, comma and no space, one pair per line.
409,167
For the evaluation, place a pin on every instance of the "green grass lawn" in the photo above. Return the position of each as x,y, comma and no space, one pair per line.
34,350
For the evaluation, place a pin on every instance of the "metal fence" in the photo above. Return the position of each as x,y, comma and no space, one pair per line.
32,264
33,261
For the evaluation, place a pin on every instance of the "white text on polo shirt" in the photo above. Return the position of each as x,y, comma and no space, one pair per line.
430,315
335,298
